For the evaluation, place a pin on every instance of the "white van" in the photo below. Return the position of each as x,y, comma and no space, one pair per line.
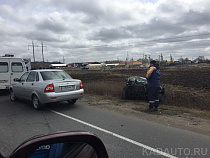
10,68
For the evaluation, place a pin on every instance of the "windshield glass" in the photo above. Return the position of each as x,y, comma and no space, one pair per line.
54,75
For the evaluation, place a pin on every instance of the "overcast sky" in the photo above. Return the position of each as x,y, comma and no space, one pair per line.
100,30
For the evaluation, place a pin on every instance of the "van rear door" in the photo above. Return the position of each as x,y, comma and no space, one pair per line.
4,74
10,68
18,68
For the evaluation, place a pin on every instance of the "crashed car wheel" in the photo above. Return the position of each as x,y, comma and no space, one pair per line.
36,103
161,98
124,93
72,101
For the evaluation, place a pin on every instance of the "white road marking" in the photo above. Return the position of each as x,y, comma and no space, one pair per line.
116,135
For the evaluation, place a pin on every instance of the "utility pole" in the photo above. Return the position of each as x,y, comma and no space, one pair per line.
42,54
127,58
63,60
159,60
33,52
171,59
161,57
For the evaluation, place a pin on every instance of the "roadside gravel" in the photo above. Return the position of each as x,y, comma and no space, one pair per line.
175,117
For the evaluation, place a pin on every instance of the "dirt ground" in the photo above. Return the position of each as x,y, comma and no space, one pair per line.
187,103
131,108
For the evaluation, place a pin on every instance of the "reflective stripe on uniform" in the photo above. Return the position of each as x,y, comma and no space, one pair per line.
151,101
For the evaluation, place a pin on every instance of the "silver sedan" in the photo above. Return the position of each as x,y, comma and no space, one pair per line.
46,86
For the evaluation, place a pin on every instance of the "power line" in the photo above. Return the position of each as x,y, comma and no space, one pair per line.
33,49
42,53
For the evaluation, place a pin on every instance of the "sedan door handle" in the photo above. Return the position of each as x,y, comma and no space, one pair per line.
32,84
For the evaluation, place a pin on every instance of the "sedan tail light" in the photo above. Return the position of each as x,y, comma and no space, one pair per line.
49,88
81,85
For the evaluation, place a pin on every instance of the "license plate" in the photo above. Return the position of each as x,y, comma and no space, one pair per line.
67,88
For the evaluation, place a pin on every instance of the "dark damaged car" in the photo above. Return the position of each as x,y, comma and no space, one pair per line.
136,88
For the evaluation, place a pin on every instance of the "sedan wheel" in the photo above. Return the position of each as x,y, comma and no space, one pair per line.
12,96
72,101
35,100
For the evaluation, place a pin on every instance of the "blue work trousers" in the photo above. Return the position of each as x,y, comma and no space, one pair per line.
153,96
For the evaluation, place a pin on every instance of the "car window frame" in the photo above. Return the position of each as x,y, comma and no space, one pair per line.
25,74
37,78
27,80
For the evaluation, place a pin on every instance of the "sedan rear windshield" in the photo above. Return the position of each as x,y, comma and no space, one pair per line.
55,75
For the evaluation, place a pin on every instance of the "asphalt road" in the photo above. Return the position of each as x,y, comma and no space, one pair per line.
123,136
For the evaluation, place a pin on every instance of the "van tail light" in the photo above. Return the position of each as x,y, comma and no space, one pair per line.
49,88
81,85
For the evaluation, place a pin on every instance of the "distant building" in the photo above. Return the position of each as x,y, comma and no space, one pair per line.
187,62
200,59
111,65
171,63
80,65
130,63
75,65
56,66
40,64
95,65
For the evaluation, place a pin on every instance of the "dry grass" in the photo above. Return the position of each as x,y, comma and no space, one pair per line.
104,88
178,94
187,97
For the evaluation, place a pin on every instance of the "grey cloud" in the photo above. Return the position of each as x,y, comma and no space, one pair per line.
95,30
43,36
95,12
193,19
92,7
50,25
110,34
170,7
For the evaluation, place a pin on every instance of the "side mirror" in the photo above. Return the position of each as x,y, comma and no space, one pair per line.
62,145
16,79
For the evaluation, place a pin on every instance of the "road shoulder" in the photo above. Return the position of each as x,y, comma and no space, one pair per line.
170,117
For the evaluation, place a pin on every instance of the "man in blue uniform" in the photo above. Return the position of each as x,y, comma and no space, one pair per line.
153,79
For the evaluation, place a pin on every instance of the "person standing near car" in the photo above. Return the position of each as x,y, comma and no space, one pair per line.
153,84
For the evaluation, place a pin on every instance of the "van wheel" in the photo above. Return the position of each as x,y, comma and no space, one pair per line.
72,101
12,96
36,103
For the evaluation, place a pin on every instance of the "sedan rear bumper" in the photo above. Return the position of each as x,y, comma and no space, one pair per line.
62,96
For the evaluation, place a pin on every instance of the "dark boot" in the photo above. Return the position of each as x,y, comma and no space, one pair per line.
156,106
148,110
151,105
155,109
